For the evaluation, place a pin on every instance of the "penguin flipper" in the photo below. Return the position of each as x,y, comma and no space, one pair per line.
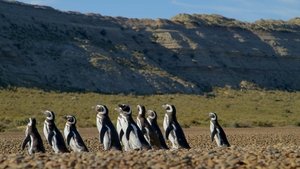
102,133
70,135
121,134
50,136
212,134
128,130
79,142
168,131
25,141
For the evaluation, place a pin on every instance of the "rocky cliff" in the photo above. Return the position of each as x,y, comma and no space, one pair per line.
45,48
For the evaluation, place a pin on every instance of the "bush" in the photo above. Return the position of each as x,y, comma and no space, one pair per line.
103,32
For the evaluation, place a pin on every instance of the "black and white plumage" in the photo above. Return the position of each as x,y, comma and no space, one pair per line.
108,135
152,120
72,136
173,130
53,135
148,132
33,139
126,126
216,131
119,127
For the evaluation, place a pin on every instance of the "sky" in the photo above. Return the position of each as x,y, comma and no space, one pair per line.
244,10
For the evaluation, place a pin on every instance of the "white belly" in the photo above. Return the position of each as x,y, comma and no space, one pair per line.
217,139
99,123
123,140
46,130
172,136
166,122
134,141
107,139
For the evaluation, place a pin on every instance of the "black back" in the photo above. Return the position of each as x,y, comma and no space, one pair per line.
180,136
60,140
115,141
158,132
145,144
37,146
222,135
78,137
178,132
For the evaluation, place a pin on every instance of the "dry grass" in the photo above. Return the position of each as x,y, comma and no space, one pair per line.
235,108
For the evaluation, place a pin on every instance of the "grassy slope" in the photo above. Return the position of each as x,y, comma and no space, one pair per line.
235,108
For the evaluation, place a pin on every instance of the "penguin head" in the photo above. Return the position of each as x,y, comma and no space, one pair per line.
124,108
32,122
151,114
49,115
213,116
141,110
170,109
70,119
101,109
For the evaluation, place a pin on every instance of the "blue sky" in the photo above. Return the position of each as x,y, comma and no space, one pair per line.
244,10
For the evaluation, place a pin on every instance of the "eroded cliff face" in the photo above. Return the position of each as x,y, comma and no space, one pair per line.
49,49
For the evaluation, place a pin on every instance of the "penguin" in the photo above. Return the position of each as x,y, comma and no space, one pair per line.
33,139
107,132
216,131
152,120
173,130
131,131
53,135
73,138
148,132
120,131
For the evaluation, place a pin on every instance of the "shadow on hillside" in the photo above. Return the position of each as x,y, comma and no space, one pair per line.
53,50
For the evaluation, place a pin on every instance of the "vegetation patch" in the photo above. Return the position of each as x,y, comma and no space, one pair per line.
236,108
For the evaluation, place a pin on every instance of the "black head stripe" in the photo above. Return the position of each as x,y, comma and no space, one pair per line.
125,108
33,121
71,119
141,109
173,108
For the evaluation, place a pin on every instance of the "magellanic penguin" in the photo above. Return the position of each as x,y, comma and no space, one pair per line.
107,132
173,130
73,138
119,127
152,120
53,135
148,132
131,131
216,131
33,139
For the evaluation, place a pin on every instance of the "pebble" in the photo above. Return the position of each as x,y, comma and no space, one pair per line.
248,150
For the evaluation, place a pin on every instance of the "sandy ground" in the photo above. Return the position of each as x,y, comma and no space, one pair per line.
251,148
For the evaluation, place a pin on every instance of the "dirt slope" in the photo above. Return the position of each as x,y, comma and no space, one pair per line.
45,48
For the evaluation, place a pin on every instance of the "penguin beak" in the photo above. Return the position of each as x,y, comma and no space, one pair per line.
65,117
118,110
164,106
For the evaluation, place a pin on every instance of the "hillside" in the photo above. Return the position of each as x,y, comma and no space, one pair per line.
44,48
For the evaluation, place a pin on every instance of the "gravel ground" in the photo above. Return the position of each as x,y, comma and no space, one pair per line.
251,148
